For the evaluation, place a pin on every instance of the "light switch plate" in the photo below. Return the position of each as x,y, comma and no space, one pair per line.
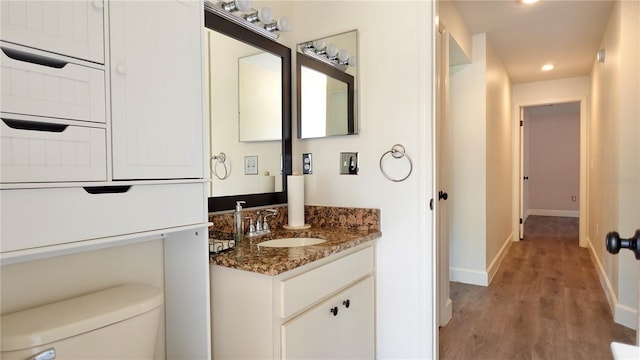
251,165
307,167
349,163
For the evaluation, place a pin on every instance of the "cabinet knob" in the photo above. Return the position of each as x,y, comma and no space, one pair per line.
346,303
121,69
334,310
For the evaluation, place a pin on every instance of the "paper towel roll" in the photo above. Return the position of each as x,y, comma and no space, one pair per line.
295,195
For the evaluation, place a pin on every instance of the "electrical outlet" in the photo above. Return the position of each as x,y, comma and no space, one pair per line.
251,165
349,163
306,164
574,198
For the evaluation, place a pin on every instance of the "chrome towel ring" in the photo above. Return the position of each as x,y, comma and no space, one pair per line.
220,159
397,152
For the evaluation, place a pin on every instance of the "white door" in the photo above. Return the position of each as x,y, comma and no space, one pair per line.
522,175
440,203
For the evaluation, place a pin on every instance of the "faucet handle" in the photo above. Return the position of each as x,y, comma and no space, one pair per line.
252,228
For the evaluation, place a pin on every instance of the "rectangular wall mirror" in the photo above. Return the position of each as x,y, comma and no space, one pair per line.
248,82
327,90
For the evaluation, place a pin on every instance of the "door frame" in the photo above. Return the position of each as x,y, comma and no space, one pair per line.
583,208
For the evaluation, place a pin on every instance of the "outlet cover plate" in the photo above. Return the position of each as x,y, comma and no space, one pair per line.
307,167
251,165
349,163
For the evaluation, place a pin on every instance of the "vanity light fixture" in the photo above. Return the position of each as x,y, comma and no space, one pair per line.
328,54
252,20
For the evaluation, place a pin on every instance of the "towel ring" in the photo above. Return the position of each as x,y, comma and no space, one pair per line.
220,159
397,152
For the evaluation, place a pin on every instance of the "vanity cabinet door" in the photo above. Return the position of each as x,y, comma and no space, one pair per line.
340,328
156,89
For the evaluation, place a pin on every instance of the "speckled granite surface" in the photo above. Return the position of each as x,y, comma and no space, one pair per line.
343,228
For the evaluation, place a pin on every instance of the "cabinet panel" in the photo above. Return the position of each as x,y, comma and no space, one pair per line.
46,151
156,89
39,217
297,294
41,84
347,332
312,335
72,28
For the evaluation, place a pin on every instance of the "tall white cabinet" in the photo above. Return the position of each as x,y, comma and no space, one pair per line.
102,142
156,92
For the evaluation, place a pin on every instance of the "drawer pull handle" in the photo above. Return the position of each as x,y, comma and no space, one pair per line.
107,189
334,310
346,303
34,125
33,58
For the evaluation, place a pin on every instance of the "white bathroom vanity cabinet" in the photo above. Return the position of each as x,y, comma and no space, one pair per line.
322,310
102,141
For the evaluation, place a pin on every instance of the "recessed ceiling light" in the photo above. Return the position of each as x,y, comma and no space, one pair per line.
528,2
547,67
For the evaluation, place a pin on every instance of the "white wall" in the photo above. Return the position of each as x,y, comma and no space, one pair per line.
481,152
499,154
614,177
554,169
395,75
467,111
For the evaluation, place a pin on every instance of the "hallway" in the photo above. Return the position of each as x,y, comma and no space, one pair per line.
545,302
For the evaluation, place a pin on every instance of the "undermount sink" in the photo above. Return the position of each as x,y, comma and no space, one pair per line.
291,242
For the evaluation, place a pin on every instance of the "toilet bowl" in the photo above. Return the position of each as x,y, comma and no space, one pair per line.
116,323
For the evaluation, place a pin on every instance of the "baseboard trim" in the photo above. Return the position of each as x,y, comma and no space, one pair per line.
482,278
622,314
495,264
468,276
546,212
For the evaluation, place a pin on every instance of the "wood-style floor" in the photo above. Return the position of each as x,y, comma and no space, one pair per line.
545,302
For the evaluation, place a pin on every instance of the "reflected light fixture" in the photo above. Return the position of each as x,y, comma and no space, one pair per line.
328,54
547,67
241,13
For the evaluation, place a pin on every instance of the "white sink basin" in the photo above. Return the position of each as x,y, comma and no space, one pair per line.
291,242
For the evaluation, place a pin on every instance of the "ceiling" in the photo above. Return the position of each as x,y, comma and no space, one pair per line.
566,33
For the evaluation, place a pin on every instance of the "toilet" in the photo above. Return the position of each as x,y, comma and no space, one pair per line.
116,323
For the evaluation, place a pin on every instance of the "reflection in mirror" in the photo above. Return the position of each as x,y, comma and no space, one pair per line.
249,122
260,97
327,86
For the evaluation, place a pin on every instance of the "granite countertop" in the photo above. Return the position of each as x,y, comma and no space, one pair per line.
273,261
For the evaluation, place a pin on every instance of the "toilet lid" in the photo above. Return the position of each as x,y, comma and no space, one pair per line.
52,322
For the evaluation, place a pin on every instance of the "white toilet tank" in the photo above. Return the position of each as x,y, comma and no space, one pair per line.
116,323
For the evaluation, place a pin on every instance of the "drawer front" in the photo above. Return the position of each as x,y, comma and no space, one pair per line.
72,28
48,151
34,218
43,85
307,288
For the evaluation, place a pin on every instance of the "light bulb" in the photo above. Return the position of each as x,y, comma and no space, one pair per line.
318,44
353,61
265,15
332,51
343,55
237,5
284,24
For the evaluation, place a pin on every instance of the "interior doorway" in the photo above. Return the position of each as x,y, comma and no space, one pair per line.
549,161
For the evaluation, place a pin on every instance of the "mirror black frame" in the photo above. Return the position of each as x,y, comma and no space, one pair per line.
304,60
226,27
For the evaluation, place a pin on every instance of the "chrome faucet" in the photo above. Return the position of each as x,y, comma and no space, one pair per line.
261,226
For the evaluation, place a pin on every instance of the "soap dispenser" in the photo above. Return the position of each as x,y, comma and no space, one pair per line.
238,229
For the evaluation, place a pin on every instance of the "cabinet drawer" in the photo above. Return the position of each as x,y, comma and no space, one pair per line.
40,84
34,151
39,217
72,28
297,293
